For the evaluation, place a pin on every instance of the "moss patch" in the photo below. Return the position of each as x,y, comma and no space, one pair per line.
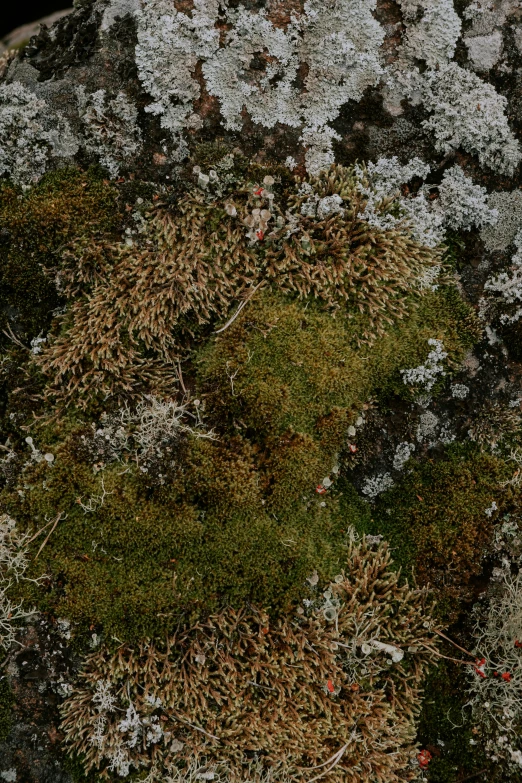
284,364
446,729
36,227
239,518
436,521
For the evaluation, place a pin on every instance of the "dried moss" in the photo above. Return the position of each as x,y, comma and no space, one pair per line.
135,308
286,690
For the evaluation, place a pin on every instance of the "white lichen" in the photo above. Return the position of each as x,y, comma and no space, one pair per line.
30,134
169,46
377,484
427,426
380,182
459,391
467,112
118,8
506,287
14,562
508,204
426,375
464,204
432,37
110,129
484,50
402,454
338,42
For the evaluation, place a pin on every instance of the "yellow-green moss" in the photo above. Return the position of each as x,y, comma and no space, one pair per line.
240,519
136,562
285,364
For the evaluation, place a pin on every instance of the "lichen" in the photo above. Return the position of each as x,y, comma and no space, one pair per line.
339,45
30,134
467,112
110,130
501,234
432,37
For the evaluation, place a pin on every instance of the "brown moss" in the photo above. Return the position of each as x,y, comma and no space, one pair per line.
134,309
294,692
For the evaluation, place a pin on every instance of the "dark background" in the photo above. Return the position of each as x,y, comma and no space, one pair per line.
17,12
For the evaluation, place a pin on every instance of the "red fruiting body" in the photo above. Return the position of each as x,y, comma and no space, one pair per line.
330,686
320,489
506,676
424,758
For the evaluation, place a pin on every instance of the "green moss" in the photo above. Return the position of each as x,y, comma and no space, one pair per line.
36,227
6,705
287,364
239,518
137,562
435,521
76,769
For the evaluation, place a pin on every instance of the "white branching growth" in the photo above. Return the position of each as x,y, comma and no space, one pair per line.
13,564
496,694
463,204
153,423
149,434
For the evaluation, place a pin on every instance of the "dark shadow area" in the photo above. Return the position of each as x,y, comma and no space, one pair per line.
16,14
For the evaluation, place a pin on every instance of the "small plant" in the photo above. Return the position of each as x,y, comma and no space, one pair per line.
14,562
